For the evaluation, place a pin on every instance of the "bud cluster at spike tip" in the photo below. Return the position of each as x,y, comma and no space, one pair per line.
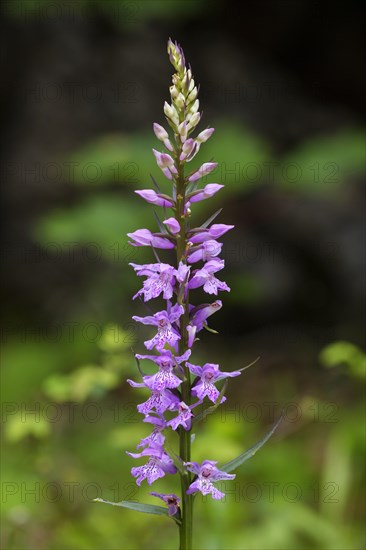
197,267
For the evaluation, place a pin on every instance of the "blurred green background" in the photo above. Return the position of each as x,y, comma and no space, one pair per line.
81,85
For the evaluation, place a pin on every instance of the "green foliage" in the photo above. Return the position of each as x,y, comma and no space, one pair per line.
138,507
322,164
345,353
319,450
246,455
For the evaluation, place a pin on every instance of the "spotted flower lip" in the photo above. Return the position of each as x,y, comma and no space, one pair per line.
163,379
167,333
207,473
158,465
160,280
207,376
183,417
160,401
205,277
156,436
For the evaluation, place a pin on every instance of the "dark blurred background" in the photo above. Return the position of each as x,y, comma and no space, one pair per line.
282,82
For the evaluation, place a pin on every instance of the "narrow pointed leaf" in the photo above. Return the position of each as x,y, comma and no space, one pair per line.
211,218
139,367
176,459
236,462
138,507
154,183
156,255
192,186
162,227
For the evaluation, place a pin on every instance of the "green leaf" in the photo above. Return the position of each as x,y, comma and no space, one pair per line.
162,227
236,462
138,507
211,218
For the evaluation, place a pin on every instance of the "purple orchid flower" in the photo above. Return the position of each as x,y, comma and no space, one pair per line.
183,418
206,474
208,375
144,237
158,400
155,198
158,465
205,251
160,279
166,358
156,436
171,500
205,277
177,386
164,378
167,334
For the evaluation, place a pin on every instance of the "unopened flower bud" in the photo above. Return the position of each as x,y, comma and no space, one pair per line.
193,94
193,121
205,135
194,108
188,149
180,101
173,225
205,169
182,129
160,132
163,160
171,113
174,92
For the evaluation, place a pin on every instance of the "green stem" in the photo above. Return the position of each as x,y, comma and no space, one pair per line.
185,529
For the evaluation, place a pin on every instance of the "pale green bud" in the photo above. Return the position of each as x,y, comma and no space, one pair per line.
194,120
180,101
194,108
171,113
174,92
